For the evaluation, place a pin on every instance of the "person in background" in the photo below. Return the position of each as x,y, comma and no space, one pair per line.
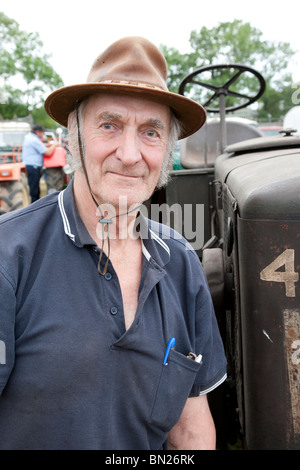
33,152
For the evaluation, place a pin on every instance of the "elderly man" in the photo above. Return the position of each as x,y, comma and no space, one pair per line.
107,323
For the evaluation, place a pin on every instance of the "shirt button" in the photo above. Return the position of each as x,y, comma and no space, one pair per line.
108,276
113,310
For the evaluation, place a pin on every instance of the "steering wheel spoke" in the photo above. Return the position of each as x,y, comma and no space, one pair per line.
209,86
233,79
210,100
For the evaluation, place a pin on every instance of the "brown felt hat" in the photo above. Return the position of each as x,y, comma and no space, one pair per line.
132,66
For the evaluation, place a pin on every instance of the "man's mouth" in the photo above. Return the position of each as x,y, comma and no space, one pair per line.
125,175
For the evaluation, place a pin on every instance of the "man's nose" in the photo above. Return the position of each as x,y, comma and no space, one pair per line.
128,150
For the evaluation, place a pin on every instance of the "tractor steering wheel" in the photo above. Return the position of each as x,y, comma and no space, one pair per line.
224,90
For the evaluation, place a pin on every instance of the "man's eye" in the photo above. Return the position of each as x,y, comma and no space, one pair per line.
107,126
151,133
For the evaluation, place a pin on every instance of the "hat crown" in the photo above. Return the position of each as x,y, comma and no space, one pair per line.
135,67
131,59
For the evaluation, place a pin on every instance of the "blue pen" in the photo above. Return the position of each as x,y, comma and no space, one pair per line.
170,345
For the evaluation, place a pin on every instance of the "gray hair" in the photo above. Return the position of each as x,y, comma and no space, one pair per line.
75,161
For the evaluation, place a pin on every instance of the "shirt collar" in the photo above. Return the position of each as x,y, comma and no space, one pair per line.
154,246
74,227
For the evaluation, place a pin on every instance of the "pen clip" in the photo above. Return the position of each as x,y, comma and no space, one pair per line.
170,345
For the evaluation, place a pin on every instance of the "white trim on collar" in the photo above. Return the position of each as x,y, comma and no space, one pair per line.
159,241
68,232
64,217
145,252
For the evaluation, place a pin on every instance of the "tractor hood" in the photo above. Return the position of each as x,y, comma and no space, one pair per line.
263,176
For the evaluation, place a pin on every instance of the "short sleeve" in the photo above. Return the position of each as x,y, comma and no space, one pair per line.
39,146
209,344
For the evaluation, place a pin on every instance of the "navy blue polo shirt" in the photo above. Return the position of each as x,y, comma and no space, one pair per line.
71,376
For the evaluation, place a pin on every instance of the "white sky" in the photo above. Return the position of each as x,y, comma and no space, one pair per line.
75,32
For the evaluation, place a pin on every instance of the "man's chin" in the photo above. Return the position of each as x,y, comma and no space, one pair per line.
120,205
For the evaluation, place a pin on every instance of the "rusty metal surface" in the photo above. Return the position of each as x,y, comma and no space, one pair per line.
269,265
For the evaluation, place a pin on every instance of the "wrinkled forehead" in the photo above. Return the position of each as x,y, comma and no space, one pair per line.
125,106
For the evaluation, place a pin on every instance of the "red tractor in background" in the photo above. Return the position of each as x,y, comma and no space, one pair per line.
14,190
56,168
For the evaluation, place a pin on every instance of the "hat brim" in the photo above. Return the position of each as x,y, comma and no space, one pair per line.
64,100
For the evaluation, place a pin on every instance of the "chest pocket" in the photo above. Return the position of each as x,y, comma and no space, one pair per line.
175,382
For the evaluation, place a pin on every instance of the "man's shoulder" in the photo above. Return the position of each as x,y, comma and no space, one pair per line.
168,240
32,140
25,234
174,240
29,137
27,216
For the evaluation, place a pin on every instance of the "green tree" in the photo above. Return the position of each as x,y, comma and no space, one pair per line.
26,73
240,43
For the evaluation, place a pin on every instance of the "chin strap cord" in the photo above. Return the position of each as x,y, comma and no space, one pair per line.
103,221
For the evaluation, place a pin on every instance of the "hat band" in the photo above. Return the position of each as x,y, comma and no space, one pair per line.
132,83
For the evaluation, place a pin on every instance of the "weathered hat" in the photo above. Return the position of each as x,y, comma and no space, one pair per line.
132,66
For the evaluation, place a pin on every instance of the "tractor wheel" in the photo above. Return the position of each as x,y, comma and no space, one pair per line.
55,179
14,194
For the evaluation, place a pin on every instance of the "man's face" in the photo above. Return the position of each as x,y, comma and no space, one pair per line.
125,144
40,134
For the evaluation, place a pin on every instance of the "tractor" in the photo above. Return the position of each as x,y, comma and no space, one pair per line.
248,188
14,192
